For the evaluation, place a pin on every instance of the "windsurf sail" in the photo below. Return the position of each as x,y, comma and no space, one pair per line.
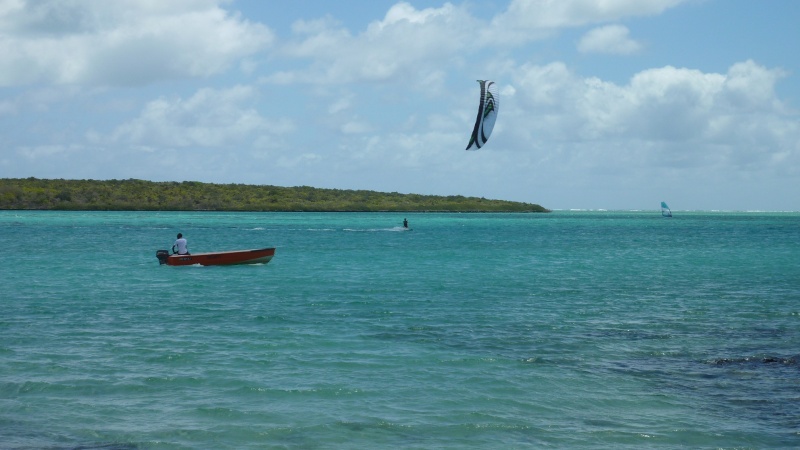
487,114
665,211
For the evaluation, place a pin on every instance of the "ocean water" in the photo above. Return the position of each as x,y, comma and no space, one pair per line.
560,330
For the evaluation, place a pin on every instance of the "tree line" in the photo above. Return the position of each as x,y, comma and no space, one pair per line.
140,195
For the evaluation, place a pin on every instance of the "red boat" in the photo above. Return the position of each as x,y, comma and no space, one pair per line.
260,256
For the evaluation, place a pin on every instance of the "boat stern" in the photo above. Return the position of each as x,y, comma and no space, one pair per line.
162,256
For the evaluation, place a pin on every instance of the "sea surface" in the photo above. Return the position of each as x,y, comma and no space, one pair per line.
571,329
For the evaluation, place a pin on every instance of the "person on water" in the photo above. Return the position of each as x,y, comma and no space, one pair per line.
405,223
181,244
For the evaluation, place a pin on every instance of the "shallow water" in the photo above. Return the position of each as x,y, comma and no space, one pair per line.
568,329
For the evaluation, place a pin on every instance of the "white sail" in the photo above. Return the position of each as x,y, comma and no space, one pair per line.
665,211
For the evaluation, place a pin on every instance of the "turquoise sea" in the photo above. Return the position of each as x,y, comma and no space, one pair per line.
499,331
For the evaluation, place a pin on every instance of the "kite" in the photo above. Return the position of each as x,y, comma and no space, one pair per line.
487,114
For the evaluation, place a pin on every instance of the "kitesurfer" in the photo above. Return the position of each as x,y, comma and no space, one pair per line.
405,223
181,244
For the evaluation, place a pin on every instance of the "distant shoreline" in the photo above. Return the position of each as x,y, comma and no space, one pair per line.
276,211
31,194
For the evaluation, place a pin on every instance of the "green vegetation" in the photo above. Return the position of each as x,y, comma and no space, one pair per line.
139,195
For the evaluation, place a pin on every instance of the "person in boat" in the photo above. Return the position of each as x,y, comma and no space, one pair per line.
405,223
181,245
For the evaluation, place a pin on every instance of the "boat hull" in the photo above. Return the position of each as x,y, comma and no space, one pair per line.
258,256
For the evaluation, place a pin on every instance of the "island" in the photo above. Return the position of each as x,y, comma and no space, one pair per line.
141,195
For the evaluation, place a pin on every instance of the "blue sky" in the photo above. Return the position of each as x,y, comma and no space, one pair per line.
604,104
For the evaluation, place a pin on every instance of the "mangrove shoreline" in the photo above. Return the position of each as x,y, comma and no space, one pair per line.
140,195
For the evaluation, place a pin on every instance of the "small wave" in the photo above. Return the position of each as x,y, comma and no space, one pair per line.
376,230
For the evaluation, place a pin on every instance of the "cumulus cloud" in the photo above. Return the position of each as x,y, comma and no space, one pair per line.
124,42
525,20
210,118
417,42
407,40
570,13
613,39
688,117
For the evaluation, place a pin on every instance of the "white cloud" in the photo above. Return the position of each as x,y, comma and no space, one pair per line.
406,41
210,118
125,42
665,116
43,151
571,13
419,42
611,39
526,20
341,104
355,126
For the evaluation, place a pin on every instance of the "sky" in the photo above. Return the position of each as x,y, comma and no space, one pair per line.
603,104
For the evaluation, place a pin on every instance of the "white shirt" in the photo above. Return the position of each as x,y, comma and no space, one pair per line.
181,244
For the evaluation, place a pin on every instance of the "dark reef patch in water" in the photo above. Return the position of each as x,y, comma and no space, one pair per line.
98,447
756,360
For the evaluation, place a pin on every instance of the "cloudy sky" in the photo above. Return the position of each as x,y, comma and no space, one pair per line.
604,104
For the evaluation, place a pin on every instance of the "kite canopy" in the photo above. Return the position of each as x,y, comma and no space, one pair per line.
487,114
